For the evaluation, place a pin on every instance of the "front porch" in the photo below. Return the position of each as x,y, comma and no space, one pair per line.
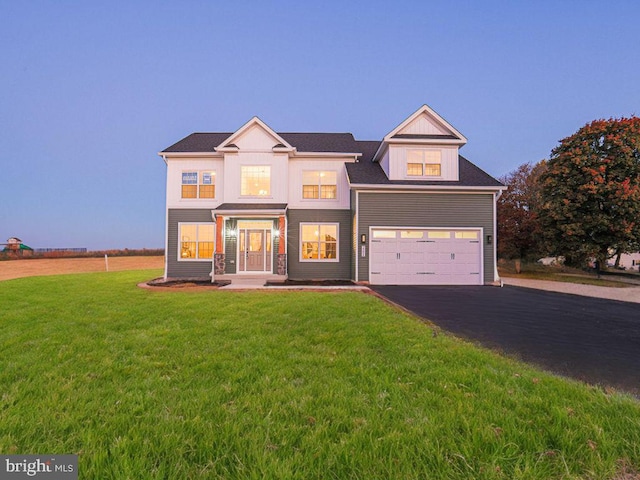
250,242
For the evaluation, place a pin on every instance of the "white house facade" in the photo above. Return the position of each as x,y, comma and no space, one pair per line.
404,210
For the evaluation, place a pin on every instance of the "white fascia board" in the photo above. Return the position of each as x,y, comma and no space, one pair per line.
247,213
430,141
380,152
327,154
250,123
417,188
284,150
169,155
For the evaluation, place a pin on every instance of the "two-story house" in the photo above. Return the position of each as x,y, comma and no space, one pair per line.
404,210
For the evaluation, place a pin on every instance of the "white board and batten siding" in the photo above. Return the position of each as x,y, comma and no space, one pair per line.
424,125
175,167
279,174
425,256
398,161
299,165
384,163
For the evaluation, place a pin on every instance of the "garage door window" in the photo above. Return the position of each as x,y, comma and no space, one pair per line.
319,242
384,234
411,234
439,234
468,235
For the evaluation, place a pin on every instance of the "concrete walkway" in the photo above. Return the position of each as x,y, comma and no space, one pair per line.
628,294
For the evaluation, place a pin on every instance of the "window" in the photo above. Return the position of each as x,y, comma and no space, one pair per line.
424,163
255,181
384,234
198,184
316,184
319,242
411,234
438,234
470,235
196,241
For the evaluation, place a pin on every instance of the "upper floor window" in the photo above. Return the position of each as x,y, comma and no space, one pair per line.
317,184
196,240
198,184
255,180
424,163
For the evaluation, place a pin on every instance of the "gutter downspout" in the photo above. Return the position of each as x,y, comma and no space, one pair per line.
496,276
166,223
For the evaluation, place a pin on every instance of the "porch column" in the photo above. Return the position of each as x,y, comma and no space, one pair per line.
218,256
282,252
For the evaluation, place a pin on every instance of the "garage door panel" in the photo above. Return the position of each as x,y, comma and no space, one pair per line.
425,257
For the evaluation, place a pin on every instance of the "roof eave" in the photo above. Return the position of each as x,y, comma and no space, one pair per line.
378,186
328,154
166,155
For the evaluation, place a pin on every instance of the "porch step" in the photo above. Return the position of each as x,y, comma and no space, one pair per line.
249,281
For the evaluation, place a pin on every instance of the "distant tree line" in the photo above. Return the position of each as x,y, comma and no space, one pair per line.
583,203
144,252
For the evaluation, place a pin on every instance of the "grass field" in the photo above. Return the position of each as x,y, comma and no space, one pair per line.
534,271
57,266
144,384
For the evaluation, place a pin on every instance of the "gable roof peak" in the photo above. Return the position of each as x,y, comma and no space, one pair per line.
426,124
229,142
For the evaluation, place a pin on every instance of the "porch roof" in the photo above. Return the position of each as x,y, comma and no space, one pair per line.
250,209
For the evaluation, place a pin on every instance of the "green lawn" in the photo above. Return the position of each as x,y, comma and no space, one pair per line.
188,385
534,271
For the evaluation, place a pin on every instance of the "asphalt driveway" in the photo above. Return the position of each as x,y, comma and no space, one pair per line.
590,339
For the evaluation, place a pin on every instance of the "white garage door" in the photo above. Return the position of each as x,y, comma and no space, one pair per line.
425,257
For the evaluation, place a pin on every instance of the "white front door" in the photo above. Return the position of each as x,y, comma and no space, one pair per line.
254,249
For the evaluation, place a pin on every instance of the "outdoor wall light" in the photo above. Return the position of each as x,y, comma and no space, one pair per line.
489,239
363,238
276,232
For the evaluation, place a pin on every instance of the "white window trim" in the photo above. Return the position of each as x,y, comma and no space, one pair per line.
198,184
302,184
319,260
180,258
269,195
424,163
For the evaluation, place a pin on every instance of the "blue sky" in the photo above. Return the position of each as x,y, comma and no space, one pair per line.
91,91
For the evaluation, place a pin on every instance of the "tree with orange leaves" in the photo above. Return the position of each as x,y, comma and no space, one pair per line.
591,192
519,228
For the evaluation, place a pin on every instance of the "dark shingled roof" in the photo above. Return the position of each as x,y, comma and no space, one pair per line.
198,142
364,172
371,173
304,142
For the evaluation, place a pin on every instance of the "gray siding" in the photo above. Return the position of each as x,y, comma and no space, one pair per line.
340,270
191,269
426,210
230,246
354,235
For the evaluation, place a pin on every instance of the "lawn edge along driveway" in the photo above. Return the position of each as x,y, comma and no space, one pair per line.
590,339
